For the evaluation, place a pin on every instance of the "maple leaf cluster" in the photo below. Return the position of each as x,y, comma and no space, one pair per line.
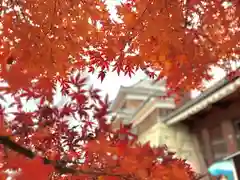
176,39
181,39
45,144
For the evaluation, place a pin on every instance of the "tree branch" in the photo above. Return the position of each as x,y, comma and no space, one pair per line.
60,166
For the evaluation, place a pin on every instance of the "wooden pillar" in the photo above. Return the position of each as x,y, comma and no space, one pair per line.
229,136
199,154
207,145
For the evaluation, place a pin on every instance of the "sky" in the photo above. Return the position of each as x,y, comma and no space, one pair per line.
112,82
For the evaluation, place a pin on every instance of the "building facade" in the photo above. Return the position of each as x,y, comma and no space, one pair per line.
141,105
214,117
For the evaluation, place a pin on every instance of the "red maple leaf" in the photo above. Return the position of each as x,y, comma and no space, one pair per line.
101,75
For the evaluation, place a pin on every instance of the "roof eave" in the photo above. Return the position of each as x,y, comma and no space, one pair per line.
117,100
220,91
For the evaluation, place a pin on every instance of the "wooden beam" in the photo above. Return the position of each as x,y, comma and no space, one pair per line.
223,104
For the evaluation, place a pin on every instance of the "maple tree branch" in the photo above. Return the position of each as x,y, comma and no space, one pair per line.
5,140
60,166
18,13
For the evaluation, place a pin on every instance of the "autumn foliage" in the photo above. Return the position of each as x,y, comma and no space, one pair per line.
46,144
45,42
46,37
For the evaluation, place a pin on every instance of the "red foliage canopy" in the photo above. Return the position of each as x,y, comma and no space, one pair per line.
178,39
74,141
43,41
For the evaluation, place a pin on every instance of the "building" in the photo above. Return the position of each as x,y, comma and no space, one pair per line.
214,118
130,99
141,105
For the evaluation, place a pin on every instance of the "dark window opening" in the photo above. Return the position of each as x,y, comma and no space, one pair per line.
236,125
165,112
217,142
124,105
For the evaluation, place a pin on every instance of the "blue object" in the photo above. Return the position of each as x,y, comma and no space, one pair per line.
225,168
